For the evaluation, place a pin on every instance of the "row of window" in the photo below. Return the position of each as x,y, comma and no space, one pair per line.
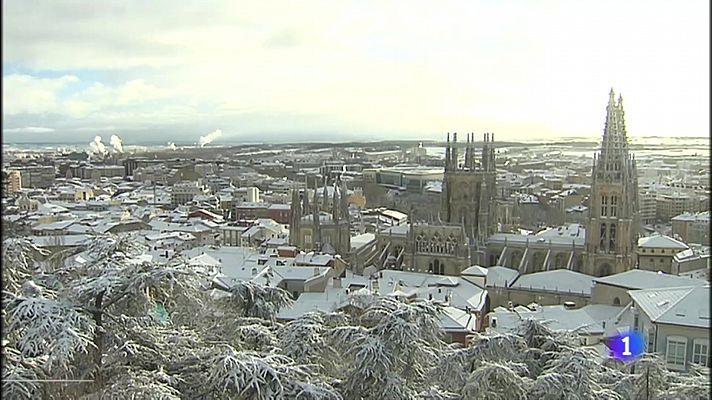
662,260
435,247
676,352
437,268
611,211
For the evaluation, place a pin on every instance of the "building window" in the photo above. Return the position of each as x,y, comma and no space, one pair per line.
676,352
616,301
701,352
651,341
438,268
612,237
652,260
602,242
307,239
604,206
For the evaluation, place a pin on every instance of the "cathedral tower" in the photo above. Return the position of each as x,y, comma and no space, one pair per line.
321,225
469,188
612,232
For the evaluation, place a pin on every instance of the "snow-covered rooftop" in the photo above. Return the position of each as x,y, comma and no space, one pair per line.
686,306
642,279
661,242
560,280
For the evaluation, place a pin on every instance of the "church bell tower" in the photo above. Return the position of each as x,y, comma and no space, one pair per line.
612,232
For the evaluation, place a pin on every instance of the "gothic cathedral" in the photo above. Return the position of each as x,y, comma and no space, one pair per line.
321,227
612,233
467,217
468,192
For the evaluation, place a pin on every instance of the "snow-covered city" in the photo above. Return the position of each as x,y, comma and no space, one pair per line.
202,264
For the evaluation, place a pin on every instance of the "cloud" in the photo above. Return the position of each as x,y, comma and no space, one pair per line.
31,95
417,69
26,94
29,129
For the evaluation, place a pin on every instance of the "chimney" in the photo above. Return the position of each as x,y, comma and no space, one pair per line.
337,282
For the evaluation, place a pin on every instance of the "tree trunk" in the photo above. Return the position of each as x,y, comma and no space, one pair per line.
98,338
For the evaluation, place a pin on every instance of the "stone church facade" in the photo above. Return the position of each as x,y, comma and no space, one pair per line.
321,226
466,218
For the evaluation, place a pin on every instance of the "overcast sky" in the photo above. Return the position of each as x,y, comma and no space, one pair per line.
277,71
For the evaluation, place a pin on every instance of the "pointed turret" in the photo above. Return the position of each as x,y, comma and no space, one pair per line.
305,201
343,201
315,219
468,155
335,205
325,197
447,153
485,153
492,153
454,153
295,216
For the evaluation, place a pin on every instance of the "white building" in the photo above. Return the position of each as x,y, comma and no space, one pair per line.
675,323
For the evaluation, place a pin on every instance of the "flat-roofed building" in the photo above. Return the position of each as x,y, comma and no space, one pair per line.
692,227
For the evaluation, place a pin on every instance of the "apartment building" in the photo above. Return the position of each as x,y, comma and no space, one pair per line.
37,176
184,192
692,227
12,181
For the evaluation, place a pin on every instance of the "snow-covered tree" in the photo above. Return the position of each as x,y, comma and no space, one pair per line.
250,299
19,261
389,354
264,376
142,329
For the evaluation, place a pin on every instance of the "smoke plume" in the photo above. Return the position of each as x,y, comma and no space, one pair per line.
172,146
207,139
97,147
116,143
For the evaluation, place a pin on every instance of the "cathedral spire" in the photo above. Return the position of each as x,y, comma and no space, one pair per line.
344,203
467,152
317,228
613,219
484,161
612,97
447,153
335,206
325,199
454,151
295,216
